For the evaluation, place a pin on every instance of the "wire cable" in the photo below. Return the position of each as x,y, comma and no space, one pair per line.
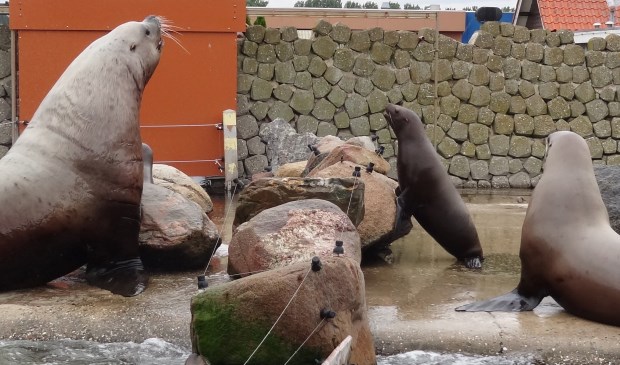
277,320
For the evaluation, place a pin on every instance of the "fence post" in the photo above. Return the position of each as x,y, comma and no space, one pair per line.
230,148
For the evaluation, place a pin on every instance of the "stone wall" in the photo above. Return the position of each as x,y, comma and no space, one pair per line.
6,128
497,99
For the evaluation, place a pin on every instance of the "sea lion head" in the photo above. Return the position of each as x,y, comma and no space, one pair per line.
136,44
403,121
566,148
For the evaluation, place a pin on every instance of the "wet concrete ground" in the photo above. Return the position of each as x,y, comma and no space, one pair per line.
411,302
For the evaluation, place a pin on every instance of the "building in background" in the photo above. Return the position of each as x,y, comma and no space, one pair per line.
449,22
586,18
472,25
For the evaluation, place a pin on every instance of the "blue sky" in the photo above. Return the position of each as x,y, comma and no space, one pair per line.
458,4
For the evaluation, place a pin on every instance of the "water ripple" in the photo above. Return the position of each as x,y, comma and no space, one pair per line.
152,351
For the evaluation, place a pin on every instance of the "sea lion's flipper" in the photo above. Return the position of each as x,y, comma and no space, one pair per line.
114,260
473,262
403,224
511,302
126,278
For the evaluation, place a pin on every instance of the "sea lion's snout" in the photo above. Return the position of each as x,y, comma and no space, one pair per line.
389,110
387,117
162,27
153,19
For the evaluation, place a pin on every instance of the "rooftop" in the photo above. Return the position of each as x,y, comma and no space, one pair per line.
573,14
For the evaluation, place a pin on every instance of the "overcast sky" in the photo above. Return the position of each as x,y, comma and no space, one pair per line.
458,4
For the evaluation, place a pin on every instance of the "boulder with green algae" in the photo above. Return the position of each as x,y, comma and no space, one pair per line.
230,320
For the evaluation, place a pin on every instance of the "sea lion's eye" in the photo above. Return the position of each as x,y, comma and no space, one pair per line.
148,32
132,47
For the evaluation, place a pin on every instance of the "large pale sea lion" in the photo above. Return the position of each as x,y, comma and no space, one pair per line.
568,249
71,185
427,193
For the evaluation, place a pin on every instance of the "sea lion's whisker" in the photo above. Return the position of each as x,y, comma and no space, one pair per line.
166,28
170,29
174,39
167,25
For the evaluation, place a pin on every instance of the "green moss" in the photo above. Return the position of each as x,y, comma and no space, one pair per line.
225,339
260,20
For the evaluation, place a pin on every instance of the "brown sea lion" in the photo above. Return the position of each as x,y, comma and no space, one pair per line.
71,185
426,192
568,249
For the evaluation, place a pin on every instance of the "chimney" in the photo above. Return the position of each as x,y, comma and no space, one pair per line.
612,12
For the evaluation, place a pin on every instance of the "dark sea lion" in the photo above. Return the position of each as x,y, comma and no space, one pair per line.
71,184
568,249
426,192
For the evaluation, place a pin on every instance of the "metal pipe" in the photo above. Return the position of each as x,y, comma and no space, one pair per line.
14,117
436,102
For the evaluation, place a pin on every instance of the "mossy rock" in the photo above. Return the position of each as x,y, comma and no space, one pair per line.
224,339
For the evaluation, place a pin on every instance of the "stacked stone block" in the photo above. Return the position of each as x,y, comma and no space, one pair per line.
495,100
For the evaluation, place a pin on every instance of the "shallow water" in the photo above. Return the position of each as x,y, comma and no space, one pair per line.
155,351
152,351
433,358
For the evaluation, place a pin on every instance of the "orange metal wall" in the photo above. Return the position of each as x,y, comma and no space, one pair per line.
190,89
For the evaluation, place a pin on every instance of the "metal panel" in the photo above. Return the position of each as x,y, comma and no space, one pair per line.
191,15
186,96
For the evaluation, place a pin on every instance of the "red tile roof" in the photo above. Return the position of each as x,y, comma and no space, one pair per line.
574,14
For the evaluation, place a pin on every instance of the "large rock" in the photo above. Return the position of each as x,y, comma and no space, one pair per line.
325,145
175,232
362,141
230,320
291,233
607,178
350,152
262,194
291,169
284,144
379,202
175,180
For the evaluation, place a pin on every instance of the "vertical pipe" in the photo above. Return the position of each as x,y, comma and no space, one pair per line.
436,103
14,117
230,148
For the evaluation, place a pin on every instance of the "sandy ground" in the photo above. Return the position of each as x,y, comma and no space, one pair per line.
411,303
